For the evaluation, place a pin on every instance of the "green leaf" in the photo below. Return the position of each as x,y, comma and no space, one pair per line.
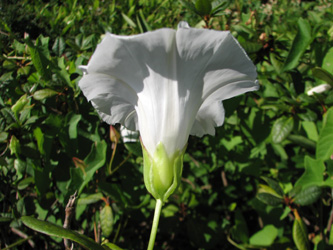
106,219
40,57
313,174
90,199
88,42
14,145
19,105
170,210
20,167
330,242
308,195
5,219
295,190
300,236
112,246
114,191
265,237
301,42
188,5
25,183
4,26
142,23
269,199
39,136
302,141
323,75
311,130
63,74
72,130
251,47
274,185
128,20
203,7
328,59
42,178
17,243
276,63
59,46
240,231
134,147
219,6
325,143
58,231
94,161
19,47
282,128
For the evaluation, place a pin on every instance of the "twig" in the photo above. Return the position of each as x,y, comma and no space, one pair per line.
4,33
189,182
196,163
16,57
24,236
224,178
70,208
121,163
4,150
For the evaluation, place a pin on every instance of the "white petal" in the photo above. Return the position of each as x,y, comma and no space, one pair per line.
167,84
84,69
319,89
127,57
161,112
220,69
126,60
114,100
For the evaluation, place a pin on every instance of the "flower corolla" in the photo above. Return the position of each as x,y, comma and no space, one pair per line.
167,84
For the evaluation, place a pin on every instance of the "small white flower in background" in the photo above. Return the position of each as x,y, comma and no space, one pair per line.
167,84
319,89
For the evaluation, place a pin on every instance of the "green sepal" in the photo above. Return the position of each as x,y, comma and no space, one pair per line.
162,173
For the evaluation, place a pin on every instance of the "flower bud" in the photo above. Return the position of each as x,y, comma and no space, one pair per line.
114,134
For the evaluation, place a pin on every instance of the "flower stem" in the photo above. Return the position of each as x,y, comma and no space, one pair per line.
158,208
112,157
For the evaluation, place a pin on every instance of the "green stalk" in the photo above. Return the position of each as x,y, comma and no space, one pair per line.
158,208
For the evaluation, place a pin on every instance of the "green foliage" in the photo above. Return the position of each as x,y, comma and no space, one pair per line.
248,187
308,195
300,44
106,218
300,235
58,231
264,237
325,148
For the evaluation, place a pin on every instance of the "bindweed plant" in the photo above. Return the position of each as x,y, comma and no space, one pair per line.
263,181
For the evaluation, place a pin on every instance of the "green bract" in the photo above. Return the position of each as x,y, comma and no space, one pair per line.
162,174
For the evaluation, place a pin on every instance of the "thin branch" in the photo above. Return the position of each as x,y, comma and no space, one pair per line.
70,208
4,33
24,236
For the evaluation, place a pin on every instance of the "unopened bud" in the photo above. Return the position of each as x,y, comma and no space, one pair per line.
114,135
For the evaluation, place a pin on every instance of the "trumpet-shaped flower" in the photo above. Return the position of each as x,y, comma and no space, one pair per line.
168,84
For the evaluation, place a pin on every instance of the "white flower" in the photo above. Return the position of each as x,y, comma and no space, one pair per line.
319,89
167,84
